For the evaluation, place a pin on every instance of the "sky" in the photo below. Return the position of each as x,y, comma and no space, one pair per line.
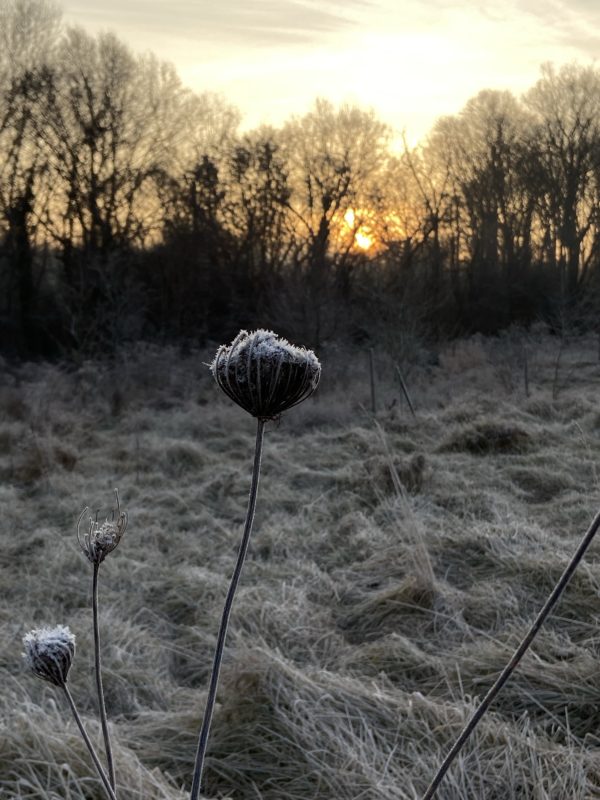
411,61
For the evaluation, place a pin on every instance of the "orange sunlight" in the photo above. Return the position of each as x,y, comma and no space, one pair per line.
363,238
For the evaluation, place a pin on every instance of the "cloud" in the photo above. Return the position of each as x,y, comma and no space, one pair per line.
572,23
243,22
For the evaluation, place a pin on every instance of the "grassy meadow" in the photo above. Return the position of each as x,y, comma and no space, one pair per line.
395,564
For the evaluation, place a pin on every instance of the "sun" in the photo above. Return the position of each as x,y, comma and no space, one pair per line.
363,240
362,236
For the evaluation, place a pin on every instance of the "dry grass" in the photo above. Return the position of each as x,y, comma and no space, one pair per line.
393,568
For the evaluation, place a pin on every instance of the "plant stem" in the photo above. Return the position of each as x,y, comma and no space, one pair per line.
405,390
372,381
214,677
89,745
99,688
517,656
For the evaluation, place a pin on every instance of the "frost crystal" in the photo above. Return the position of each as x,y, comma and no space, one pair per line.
102,537
264,373
49,653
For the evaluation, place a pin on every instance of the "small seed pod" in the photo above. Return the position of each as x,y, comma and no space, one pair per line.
265,374
101,538
49,653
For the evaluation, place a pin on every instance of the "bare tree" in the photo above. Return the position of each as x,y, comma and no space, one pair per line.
28,39
29,34
490,210
565,163
336,157
111,124
232,210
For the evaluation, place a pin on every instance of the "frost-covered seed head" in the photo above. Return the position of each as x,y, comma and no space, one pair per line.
101,538
49,653
265,374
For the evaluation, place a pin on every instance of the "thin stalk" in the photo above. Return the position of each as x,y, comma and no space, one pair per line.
372,381
405,391
99,688
89,745
517,656
526,371
218,657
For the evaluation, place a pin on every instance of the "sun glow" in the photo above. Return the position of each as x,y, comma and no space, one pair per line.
363,238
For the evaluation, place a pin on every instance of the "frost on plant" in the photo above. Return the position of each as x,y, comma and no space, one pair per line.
264,373
49,653
101,538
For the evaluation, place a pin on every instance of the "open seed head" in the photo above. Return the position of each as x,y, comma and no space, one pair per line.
265,374
49,653
101,538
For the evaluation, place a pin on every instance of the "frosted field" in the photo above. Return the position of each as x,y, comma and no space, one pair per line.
394,566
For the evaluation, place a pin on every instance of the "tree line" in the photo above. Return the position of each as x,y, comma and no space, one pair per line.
132,207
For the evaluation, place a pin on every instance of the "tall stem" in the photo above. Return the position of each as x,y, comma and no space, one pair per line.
214,677
89,745
517,656
99,688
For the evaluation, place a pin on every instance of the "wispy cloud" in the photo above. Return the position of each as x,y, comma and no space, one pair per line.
244,22
573,23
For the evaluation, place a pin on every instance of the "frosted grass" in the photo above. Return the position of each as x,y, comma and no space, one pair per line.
369,621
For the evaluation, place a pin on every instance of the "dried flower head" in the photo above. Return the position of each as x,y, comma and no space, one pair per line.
49,653
101,538
265,374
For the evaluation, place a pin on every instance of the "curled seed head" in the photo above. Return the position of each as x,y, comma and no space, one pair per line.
101,538
49,653
265,374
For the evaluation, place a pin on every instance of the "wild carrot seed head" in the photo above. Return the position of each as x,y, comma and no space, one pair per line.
265,374
49,653
101,538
